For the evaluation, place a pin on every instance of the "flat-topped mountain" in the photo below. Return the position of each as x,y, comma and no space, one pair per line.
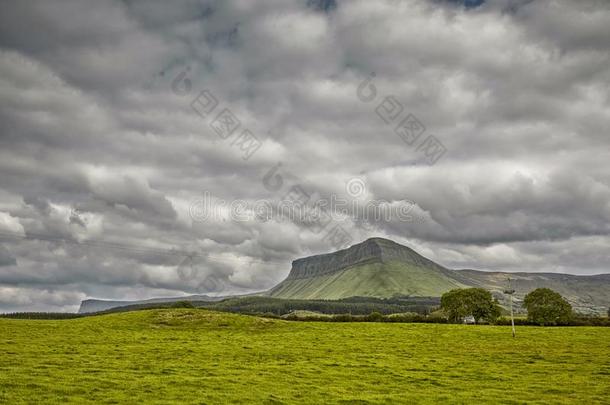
382,268
373,250
376,267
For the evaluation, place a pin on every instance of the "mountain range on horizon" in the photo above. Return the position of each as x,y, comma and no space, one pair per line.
382,268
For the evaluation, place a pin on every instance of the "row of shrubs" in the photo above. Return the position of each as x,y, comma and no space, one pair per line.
573,321
372,317
353,305
432,318
409,317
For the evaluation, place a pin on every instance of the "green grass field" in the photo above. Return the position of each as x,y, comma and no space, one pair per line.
197,356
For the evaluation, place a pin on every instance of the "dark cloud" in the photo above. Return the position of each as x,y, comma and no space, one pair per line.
102,156
5,257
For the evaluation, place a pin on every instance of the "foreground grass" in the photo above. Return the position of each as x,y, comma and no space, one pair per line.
197,356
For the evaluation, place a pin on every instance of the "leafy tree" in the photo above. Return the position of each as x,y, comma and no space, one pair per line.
477,302
481,305
453,303
547,307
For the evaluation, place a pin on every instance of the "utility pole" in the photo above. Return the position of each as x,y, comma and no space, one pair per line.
510,291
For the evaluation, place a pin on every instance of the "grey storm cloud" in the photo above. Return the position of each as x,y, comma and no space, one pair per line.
102,155
5,258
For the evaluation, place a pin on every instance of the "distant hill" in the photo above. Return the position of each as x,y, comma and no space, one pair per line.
382,268
587,294
93,305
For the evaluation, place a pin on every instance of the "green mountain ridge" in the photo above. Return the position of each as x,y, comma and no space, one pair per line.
382,268
376,267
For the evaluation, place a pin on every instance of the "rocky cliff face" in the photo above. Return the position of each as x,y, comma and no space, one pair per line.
374,250
93,305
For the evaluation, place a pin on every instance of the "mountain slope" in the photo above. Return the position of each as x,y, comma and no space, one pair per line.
377,279
376,267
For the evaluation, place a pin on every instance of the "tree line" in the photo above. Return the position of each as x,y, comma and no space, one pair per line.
544,307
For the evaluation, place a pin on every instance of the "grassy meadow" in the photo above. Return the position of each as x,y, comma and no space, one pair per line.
198,356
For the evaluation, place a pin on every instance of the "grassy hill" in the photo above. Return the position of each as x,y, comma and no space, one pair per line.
199,356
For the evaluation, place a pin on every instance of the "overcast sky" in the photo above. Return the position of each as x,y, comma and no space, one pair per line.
488,119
